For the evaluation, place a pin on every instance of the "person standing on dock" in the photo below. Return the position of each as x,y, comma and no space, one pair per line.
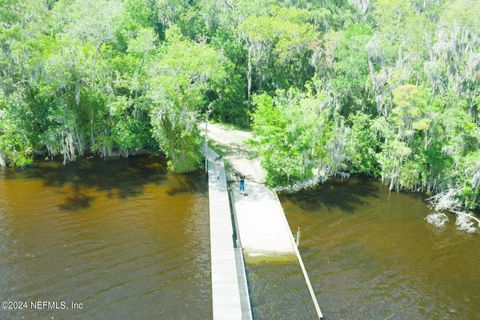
218,162
242,184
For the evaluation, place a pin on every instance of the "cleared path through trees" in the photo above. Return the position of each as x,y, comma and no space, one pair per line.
263,228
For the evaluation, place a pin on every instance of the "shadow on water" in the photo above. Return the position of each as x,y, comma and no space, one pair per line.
125,238
185,186
346,195
76,202
370,254
118,178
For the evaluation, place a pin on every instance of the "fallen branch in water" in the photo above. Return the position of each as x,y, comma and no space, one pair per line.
448,201
471,216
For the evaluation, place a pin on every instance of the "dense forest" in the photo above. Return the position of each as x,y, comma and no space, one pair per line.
387,88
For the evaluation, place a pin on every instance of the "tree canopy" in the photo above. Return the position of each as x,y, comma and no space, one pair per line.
387,88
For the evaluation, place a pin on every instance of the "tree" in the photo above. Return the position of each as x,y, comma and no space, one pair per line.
278,48
181,77
298,137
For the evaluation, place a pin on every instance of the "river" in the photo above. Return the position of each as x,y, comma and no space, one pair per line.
125,238
371,255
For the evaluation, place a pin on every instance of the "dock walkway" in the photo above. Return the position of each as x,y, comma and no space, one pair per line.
230,300
262,226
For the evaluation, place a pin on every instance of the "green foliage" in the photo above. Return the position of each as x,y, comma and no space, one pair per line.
14,142
406,79
279,44
388,88
295,137
183,74
363,145
344,62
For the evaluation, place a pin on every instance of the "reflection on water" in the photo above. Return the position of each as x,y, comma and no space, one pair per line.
371,255
125,238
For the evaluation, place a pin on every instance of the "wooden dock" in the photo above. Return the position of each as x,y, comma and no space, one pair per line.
230,299
263,228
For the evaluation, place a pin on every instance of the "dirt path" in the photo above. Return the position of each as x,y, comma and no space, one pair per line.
232,143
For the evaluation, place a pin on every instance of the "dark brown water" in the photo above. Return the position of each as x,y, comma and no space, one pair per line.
278,291
371,255
130,241
124,238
